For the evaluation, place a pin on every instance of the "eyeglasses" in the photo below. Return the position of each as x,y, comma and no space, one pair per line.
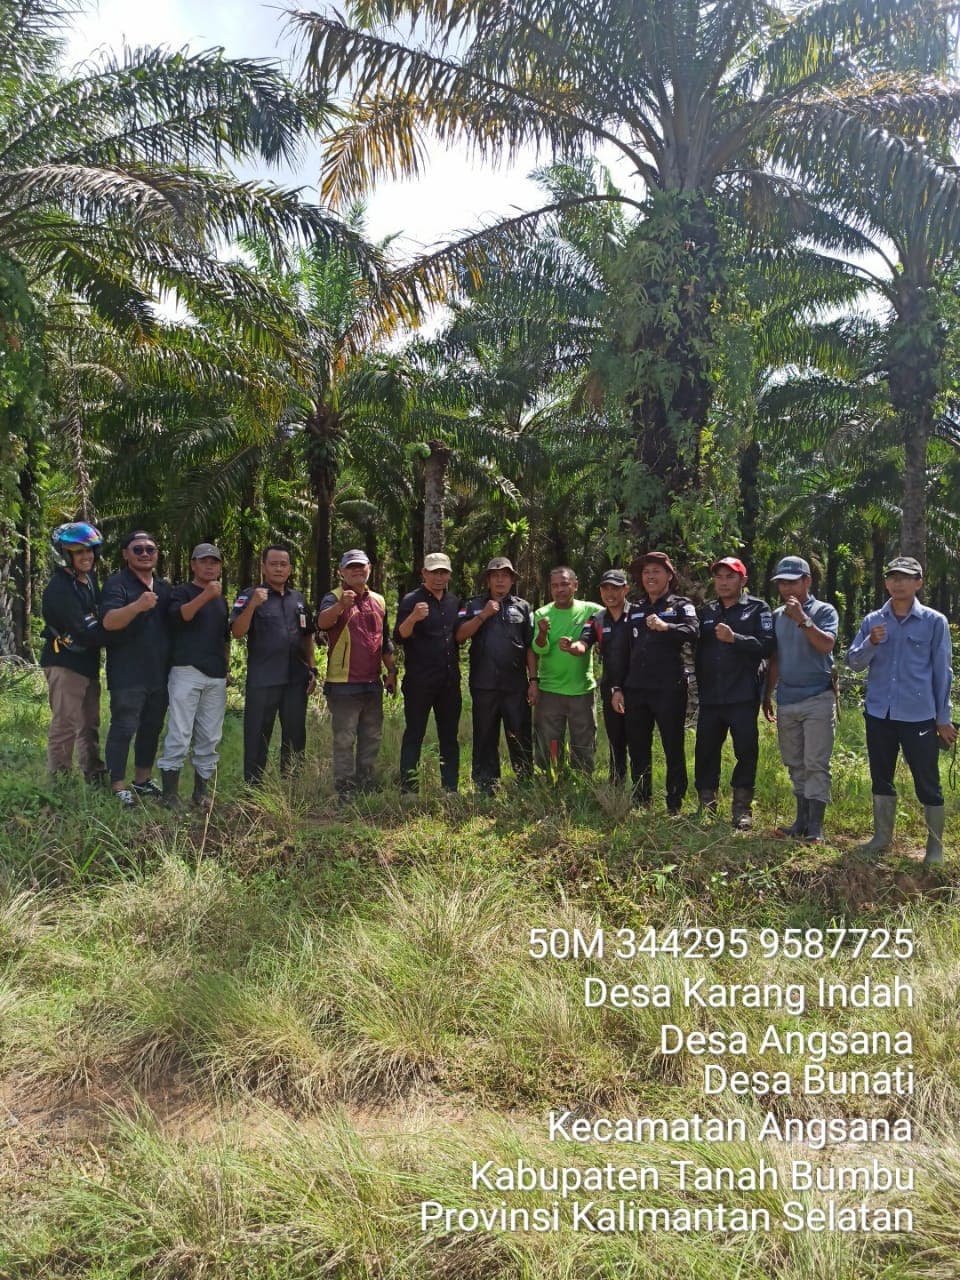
142,549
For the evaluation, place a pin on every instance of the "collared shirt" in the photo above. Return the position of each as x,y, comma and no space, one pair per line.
138,657
71,611
498,651
612,637
728,673
562,672
911,670
357,641
654,659
201,642
803,672
430,655
275,639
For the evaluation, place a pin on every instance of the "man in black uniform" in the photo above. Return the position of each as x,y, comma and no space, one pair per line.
426,621
649,684
736,638
134,606
280,664
608,630
501,664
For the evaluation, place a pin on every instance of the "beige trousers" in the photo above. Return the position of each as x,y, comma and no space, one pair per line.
75,720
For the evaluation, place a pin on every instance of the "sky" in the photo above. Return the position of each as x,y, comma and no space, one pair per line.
453,195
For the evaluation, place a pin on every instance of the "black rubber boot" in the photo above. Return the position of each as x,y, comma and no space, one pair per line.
200,799
170,799
742,813
799,827
815,811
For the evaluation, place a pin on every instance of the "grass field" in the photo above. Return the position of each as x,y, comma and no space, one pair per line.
252,1045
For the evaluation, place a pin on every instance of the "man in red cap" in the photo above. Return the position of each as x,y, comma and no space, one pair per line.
736,639
648,682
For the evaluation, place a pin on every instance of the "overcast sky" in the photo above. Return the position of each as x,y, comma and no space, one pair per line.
453,195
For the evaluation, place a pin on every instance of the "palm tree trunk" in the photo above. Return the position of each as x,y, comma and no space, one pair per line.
913,518
434,492
323,464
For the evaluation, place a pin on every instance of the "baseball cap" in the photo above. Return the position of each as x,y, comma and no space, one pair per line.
655,557
791,569
437,560
904,564
500,562
205,549
730,562
614,578
353,557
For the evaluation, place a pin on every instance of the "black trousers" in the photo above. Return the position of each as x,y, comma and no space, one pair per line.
137,714
713,722
261,707
616,727
667,709
918,741
491,709
445,701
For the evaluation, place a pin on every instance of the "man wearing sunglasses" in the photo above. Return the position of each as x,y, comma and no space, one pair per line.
134,606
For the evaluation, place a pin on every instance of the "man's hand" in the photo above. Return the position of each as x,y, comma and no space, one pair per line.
878,633
947,734
768,711
724,633
258,597
793,609
543,627
420,611
616,702
147,602
347,600
213,589
564,643
311,684
533,693
489,609
390,682
656,623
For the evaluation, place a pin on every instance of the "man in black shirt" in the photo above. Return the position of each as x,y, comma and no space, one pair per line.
426,622
501,663
609,632
280,670
197,686
134,606
736,639
71,651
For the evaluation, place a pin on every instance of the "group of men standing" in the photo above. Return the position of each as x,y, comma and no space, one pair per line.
531,674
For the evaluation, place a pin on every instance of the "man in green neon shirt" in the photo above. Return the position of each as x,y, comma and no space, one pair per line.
562,691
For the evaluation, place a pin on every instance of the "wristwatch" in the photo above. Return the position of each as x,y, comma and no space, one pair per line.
807,623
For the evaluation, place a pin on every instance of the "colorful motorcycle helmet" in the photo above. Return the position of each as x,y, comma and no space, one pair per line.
73,537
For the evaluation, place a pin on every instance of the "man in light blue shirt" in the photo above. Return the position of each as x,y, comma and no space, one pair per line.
801,671
906,648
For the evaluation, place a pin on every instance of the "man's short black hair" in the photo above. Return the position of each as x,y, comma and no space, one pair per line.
275,546
133,535
565,568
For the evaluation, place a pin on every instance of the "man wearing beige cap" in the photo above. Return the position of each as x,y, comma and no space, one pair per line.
426,624
197,684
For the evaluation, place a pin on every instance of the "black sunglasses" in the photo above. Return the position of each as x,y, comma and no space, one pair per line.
142,548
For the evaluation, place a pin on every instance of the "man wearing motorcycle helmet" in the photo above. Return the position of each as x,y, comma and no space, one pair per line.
71,651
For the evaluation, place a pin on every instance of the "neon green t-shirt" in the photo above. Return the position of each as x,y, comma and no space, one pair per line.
564,672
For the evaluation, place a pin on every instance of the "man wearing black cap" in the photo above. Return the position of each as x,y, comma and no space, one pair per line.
280,663
736,639
609,632
354,620
906,648
134,607
197,685
801,672
499,625
649,687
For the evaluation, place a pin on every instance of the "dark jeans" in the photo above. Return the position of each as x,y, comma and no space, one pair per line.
491,708
918,741
445,701
259,713
665,708
137,712
616,727
740,718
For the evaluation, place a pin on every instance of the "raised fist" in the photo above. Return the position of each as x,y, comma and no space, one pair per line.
490,608
878,633
420,611
347,599
214,589
258,596
147,601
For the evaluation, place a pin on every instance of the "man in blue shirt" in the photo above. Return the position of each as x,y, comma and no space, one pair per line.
801,671
906,647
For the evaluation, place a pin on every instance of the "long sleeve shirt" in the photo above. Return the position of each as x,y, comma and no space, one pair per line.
910,671
653,659
729,673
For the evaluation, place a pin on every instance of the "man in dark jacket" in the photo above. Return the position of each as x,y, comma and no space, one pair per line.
499,626
71,652
649,684
736,639
134,607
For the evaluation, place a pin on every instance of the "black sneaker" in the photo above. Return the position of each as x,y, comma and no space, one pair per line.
144,789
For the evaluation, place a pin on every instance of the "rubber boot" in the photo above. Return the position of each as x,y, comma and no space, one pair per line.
708,803
742,809
934,815
171,787
799,826
815,811
200,799
884,819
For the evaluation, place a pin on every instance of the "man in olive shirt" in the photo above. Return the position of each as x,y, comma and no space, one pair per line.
562,691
